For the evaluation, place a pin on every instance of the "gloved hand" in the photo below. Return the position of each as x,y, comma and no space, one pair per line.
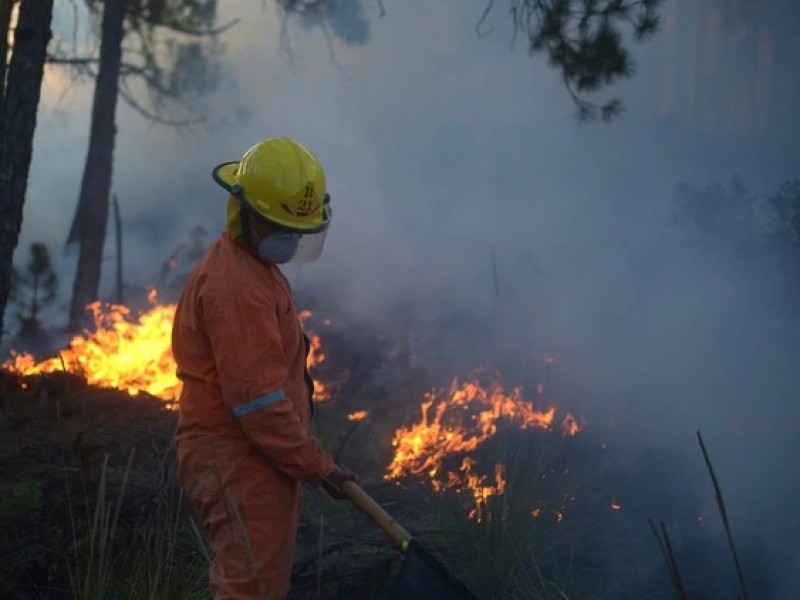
333,483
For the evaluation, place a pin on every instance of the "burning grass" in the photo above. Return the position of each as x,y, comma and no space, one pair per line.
456,423
445,449
516,496
124,352
133,353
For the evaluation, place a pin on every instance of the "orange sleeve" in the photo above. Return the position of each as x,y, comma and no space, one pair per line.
245,338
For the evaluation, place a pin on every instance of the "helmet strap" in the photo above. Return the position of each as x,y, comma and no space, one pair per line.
245,216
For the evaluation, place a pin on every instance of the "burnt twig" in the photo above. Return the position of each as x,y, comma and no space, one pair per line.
724,514
669,558
337,456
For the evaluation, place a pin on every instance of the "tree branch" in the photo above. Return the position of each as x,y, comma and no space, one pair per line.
149,78
177,27
583,40
138,17
71,60
128,98
126,69
482,20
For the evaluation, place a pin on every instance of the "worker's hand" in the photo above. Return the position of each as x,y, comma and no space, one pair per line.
333,483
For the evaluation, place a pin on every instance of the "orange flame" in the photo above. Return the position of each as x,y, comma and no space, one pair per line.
570,426
459,422
316,356
131,355
358,415
481,491
556,513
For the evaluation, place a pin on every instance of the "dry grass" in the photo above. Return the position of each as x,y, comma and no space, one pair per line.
162,556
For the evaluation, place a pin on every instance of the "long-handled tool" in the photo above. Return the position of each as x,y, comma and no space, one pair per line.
421,573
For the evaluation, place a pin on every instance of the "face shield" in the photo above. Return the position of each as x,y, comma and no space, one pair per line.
284,246
309,247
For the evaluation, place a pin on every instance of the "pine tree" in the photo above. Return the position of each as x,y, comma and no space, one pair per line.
33,289
17,125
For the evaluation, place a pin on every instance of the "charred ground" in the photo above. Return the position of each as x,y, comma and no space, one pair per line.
90,500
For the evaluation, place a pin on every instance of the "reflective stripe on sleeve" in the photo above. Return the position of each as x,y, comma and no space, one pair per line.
257,403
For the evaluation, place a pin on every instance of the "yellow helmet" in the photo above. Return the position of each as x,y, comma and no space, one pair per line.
280,181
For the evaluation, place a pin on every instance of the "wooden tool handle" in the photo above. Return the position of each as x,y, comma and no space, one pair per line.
374,511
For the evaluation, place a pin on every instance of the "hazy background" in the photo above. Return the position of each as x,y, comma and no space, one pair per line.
443,148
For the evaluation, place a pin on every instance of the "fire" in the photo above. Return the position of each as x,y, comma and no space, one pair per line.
570,426
131,354
358,415
134,355
555,513
316,356
481,491
458,422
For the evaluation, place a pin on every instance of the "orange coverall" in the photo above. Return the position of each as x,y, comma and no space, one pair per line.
242,439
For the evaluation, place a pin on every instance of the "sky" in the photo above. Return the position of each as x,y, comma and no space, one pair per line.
452,157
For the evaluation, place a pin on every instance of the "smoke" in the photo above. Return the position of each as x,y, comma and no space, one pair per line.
471,208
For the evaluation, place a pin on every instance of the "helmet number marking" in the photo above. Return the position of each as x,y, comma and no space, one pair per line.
305,206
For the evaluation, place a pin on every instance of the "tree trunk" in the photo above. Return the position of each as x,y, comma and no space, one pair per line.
5,25
35,301
19,121
118,238
91,216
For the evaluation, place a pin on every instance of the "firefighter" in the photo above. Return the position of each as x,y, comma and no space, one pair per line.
242,439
